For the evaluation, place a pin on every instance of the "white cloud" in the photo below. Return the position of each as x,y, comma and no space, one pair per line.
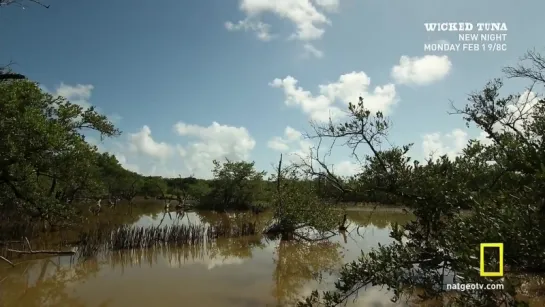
291,137
214,142
115,118
78,94
128,166
307,17
318,108
181,151
278,144
141,153
348,88
302,152
261,29
218,262
522,110
293,144
292,134
311,50
483,138
143,142
421,71
351,86
208,261
346,168
450,144
330,5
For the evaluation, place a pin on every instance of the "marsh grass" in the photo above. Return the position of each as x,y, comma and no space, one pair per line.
132,237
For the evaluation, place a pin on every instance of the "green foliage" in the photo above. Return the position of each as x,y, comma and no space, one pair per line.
110,171
45,162
130,185
297,206
236,185
198,189
188,188
153,187
502,183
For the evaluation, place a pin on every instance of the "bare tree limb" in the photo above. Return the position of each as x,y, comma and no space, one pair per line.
47,252
28,244
536,73
21,3
6,260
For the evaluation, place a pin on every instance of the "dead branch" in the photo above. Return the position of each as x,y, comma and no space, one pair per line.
20,3
343,226
28,244
324,172
6,260
307,239
363,127
280,205
279,174
39,3
535,73
46,252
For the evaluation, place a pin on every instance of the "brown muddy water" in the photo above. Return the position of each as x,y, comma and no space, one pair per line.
247,271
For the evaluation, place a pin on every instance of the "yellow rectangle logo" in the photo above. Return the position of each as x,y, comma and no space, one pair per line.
482,260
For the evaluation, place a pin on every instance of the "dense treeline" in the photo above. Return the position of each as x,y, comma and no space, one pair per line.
48,169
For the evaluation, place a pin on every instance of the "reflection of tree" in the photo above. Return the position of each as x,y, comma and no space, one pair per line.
298,263
215,218
44,283
220,249
233,218
379,219
120,214
235,247
108,220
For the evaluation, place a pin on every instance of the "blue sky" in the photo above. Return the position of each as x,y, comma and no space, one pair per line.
188,82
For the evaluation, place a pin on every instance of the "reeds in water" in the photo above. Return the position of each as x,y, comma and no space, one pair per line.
131,237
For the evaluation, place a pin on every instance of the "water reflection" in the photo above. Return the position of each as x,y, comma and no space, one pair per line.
212,254
247,271
45,283
296,264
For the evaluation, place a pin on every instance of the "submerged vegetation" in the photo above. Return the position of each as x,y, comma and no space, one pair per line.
132,237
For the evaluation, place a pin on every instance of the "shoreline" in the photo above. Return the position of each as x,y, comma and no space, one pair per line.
378,208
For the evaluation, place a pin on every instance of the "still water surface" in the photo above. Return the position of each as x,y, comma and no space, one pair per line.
240,272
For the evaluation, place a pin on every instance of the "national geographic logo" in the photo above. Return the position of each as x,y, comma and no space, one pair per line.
483,260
